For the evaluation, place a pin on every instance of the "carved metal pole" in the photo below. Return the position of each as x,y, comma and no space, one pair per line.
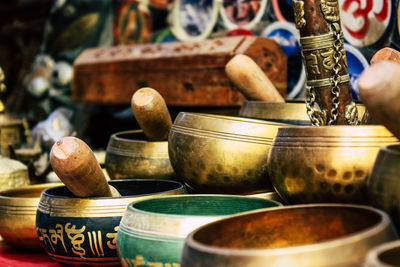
328,95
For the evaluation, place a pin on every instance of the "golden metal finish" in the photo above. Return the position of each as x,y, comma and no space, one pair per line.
325,164
13,174
330,8
221,154
311,43
289,112
302,236
10,133
130,156
385,255
298,7
67,206
384,182
18,215
327,81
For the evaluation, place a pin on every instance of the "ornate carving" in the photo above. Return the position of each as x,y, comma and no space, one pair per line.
330,9
312,63
298,7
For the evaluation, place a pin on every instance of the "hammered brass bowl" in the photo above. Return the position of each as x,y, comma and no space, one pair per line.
18,215
83,231
154,230
384,255
384,182
130,155
291,112
221,154
301,236
325,164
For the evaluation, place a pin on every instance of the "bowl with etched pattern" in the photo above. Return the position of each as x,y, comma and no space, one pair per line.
83,231
325,164
221,154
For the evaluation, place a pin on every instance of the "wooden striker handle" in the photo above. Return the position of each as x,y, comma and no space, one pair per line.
151,113
379,89
252,82
386,53
76,166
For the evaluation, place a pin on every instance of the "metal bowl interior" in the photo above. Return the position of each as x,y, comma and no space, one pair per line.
83,231
387,254
130,155
291,112
303,235
221,154
309,164
156,228
18,214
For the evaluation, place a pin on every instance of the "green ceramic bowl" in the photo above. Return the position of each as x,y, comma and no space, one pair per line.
153,231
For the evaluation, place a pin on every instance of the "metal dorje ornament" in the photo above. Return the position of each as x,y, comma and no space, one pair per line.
328,96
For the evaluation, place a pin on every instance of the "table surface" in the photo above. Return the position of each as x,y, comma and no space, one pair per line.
12,256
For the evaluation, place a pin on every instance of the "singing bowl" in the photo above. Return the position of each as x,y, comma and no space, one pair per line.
221,154
83,231
291,112
18,215
154,230
302,235
384,182
325,164
130,155
384,255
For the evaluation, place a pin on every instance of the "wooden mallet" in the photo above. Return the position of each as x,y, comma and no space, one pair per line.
151,113
251,81
379,89
76,166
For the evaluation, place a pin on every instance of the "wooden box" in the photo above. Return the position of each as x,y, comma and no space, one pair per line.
185,74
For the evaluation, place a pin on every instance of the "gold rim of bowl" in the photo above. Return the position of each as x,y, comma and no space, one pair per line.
65,206
353,239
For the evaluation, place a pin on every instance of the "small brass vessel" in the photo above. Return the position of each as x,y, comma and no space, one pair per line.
10,133
291,112
384,182
314,235
130,155
384,255
221,154
13,174
325,164
18,215
83,231
155,229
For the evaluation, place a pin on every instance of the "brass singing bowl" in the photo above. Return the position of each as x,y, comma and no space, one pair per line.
221,154
384,182
83,231
18,215
130,155
384,255
291,112
325,164
155,229
302,235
